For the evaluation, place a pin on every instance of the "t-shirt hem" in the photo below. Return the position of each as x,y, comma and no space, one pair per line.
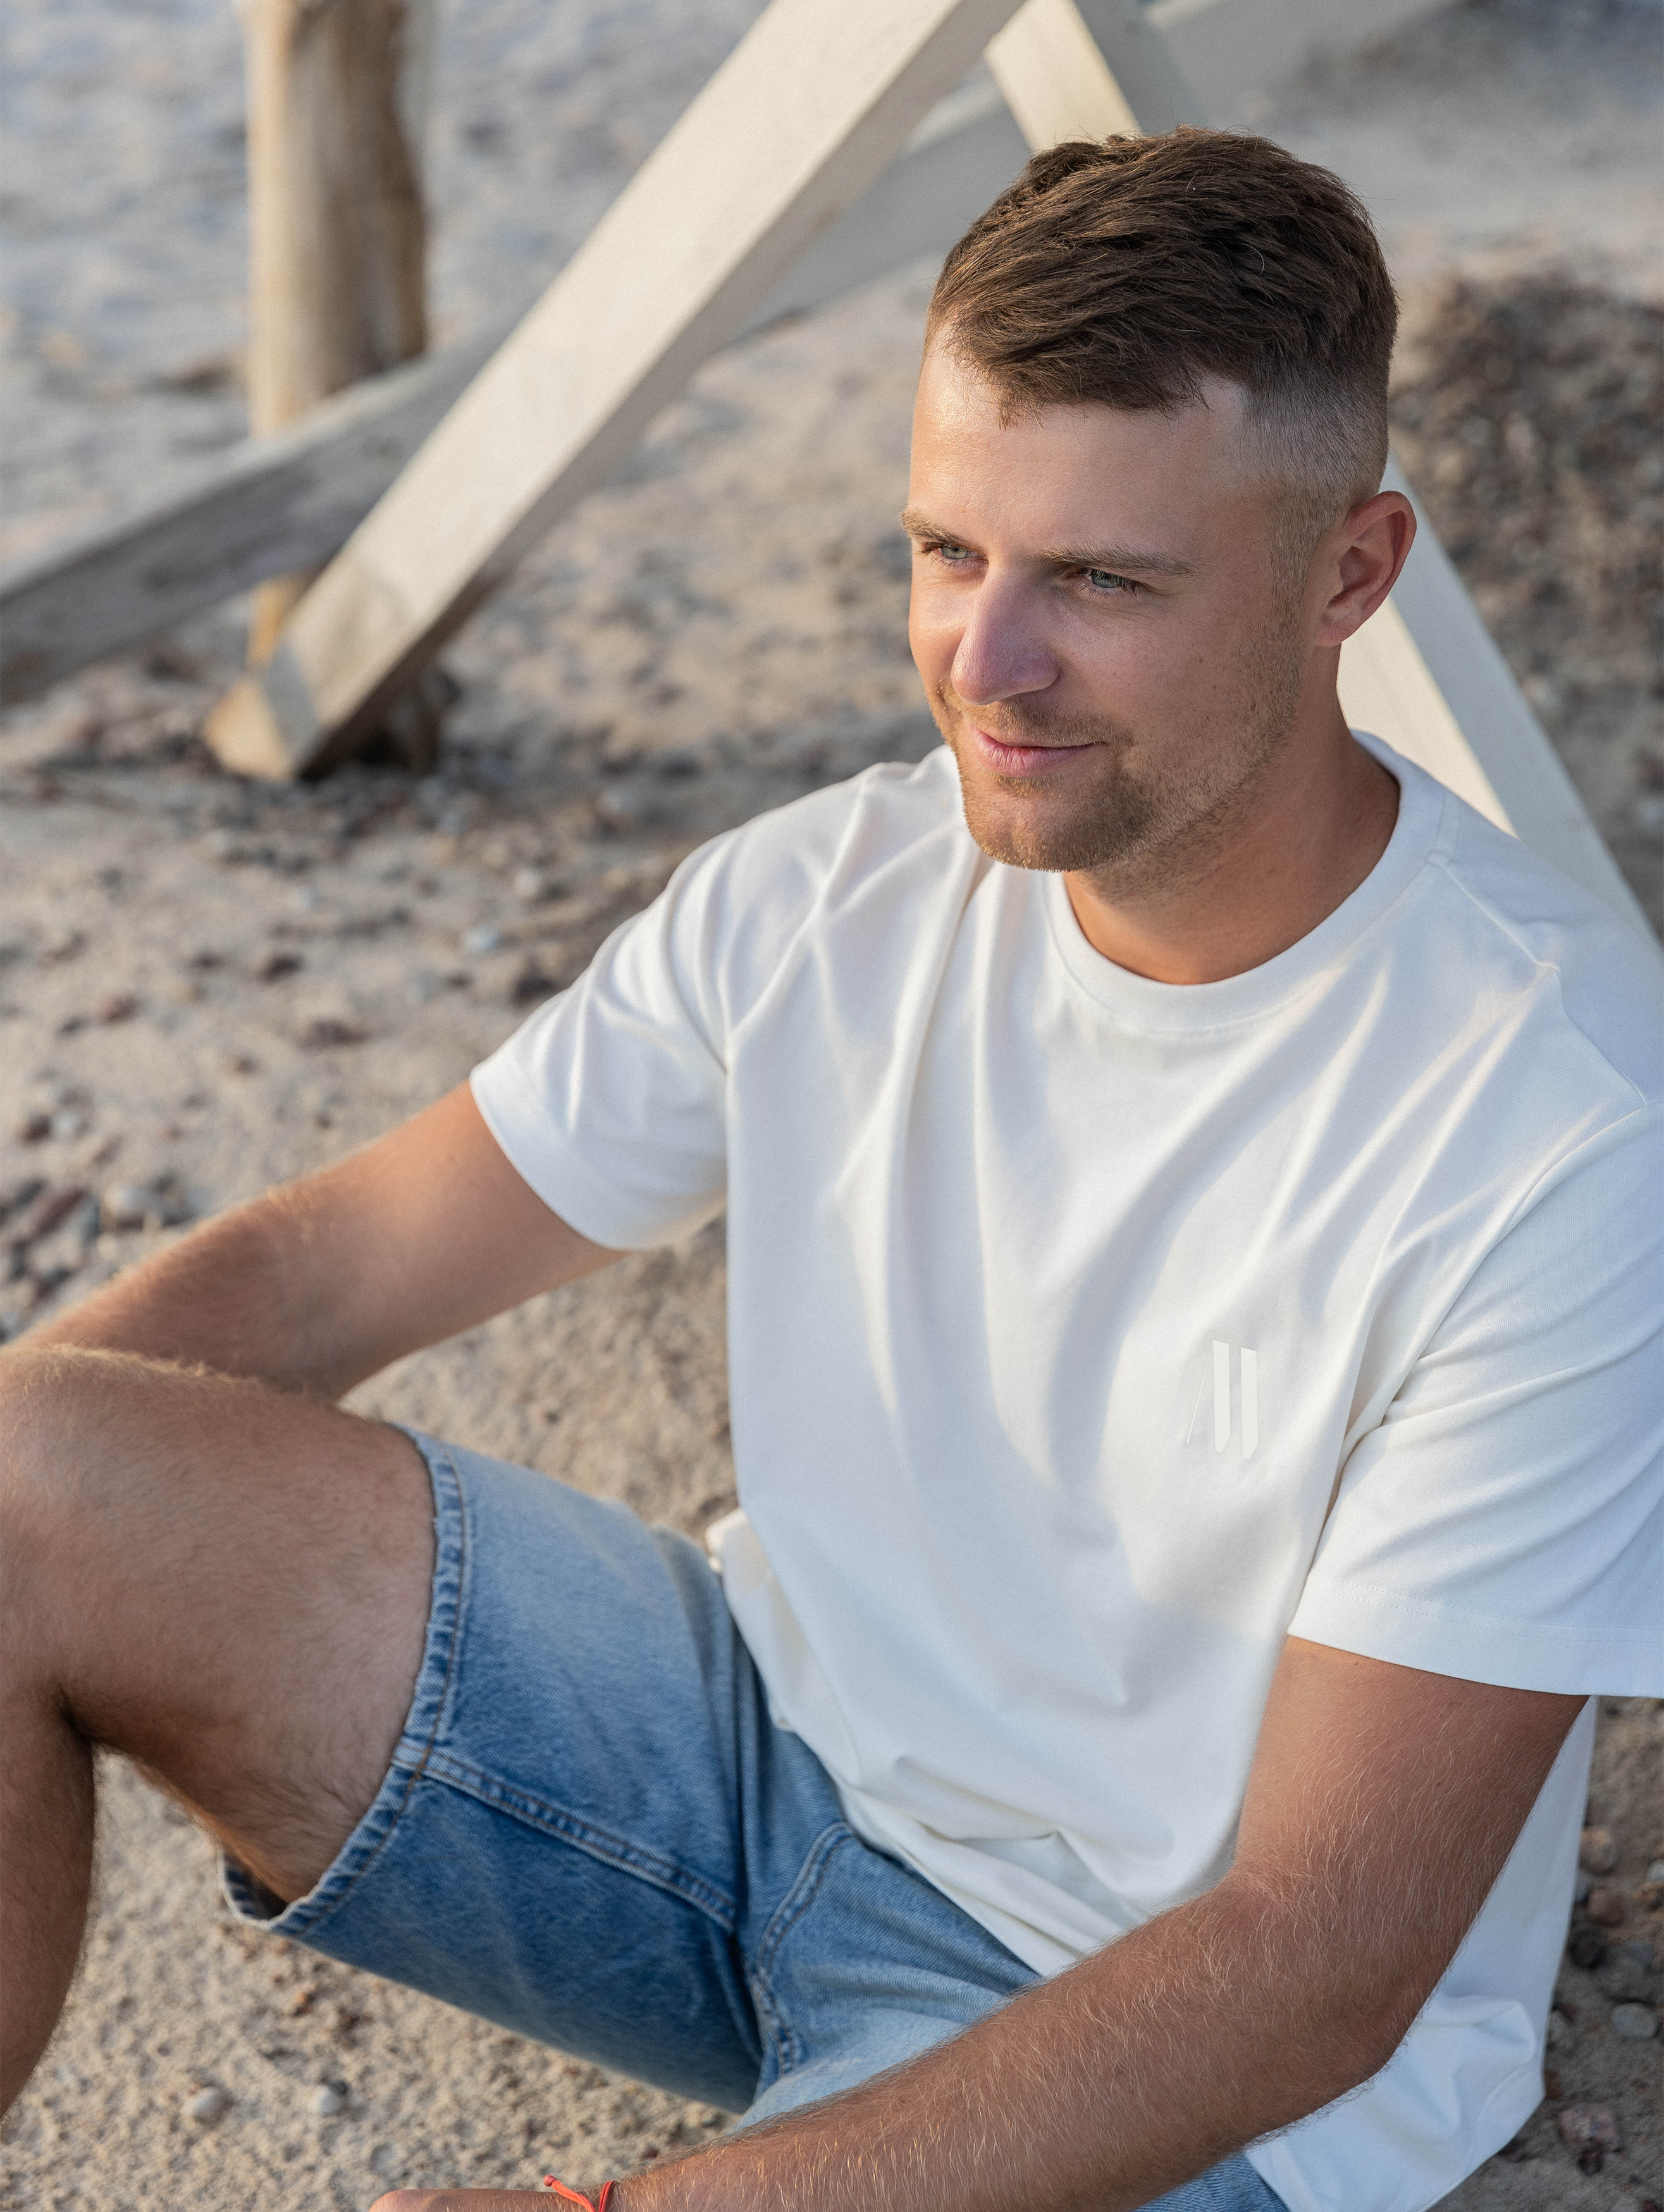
1509,1653
1277,2161
539,1152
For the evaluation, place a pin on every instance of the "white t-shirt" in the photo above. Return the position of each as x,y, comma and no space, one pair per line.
1088,1335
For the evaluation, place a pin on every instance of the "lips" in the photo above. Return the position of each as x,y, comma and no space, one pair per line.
1026,760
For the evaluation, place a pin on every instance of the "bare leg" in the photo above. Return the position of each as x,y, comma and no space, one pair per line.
229,1585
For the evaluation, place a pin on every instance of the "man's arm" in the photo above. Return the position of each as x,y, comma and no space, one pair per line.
1383,1804
324,1281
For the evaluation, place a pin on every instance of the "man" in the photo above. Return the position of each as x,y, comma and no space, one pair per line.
1193,1289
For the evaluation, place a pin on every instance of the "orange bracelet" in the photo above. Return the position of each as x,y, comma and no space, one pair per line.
573,2197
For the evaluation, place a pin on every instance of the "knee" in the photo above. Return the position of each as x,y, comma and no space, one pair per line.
60,1408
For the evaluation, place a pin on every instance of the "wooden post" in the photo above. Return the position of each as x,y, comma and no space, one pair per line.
336,90
809,109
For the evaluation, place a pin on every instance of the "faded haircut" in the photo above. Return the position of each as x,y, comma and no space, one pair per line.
1128,272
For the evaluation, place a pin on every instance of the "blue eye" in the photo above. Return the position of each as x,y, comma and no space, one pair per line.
1105,580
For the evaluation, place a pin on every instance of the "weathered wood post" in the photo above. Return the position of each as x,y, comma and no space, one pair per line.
337,96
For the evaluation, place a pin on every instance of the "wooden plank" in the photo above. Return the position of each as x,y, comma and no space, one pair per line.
273,504
337,231
1426,675
1055,78
791,131
291,500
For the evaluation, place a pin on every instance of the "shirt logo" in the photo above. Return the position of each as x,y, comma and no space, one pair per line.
1235,1411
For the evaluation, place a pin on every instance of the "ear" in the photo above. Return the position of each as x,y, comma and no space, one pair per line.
1362,556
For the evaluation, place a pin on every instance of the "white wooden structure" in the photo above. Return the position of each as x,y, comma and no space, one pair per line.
821,153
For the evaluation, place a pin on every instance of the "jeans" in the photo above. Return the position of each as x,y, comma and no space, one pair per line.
593,1833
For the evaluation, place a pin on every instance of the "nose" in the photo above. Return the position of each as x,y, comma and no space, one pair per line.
1002,653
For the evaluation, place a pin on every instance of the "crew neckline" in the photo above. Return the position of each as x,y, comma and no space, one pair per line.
1425,822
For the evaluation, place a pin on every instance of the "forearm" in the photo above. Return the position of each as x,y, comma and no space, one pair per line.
238,1295
1095,2092
322,1282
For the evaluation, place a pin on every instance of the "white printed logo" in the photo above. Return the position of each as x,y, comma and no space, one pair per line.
1247,1397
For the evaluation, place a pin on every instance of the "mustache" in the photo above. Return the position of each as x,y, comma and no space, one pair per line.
1012,724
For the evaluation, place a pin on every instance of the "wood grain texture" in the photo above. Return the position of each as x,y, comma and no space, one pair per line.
337,228
291,500
803,116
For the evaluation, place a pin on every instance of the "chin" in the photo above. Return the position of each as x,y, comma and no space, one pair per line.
1057,842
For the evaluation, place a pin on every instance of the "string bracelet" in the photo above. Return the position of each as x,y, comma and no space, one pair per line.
576,2196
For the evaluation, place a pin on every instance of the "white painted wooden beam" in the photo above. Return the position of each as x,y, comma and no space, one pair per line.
1425,674
290,502
802,118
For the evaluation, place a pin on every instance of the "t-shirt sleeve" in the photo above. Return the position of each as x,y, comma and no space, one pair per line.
1505,1523
609,1100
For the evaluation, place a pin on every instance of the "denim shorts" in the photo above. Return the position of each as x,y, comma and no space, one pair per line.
594,1834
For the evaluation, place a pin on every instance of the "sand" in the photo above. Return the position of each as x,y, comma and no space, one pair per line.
720,630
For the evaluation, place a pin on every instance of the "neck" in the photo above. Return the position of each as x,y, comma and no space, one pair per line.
1297,843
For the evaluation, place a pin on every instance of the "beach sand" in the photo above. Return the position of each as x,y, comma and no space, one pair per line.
207,985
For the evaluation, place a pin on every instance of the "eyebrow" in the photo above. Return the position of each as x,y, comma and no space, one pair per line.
1119,560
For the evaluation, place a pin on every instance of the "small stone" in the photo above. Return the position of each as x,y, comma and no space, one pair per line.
116,1007
242,1063
46,1211
1597,1851
530,986
1635,2023
67,1124
125,1205
530,885
206,2105
1586,1947
1562,2035
623,808
1580,1888
1589,2127
327,2101
305,897
1605,1907
271,967
1656,1871
326,1032
33,1129
1624,1979
482,938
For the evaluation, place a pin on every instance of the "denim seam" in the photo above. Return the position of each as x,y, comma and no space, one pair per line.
612,1850
394,1813
790,1909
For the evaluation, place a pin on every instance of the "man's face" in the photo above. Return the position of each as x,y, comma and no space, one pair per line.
1110,643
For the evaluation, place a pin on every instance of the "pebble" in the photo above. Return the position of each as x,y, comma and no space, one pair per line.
1605,1907
482,938
530,884
1589,2127
1597,1851
326,1032
116,1007
271,967
531,986
1562,2035
1635,2023
1586,1947
67,1124
1624,1980
125,1205
327,2101
207,2105
1656,1871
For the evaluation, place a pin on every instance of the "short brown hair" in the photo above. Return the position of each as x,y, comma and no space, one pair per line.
1129,271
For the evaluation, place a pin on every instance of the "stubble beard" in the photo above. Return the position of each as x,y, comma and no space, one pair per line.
1152,822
